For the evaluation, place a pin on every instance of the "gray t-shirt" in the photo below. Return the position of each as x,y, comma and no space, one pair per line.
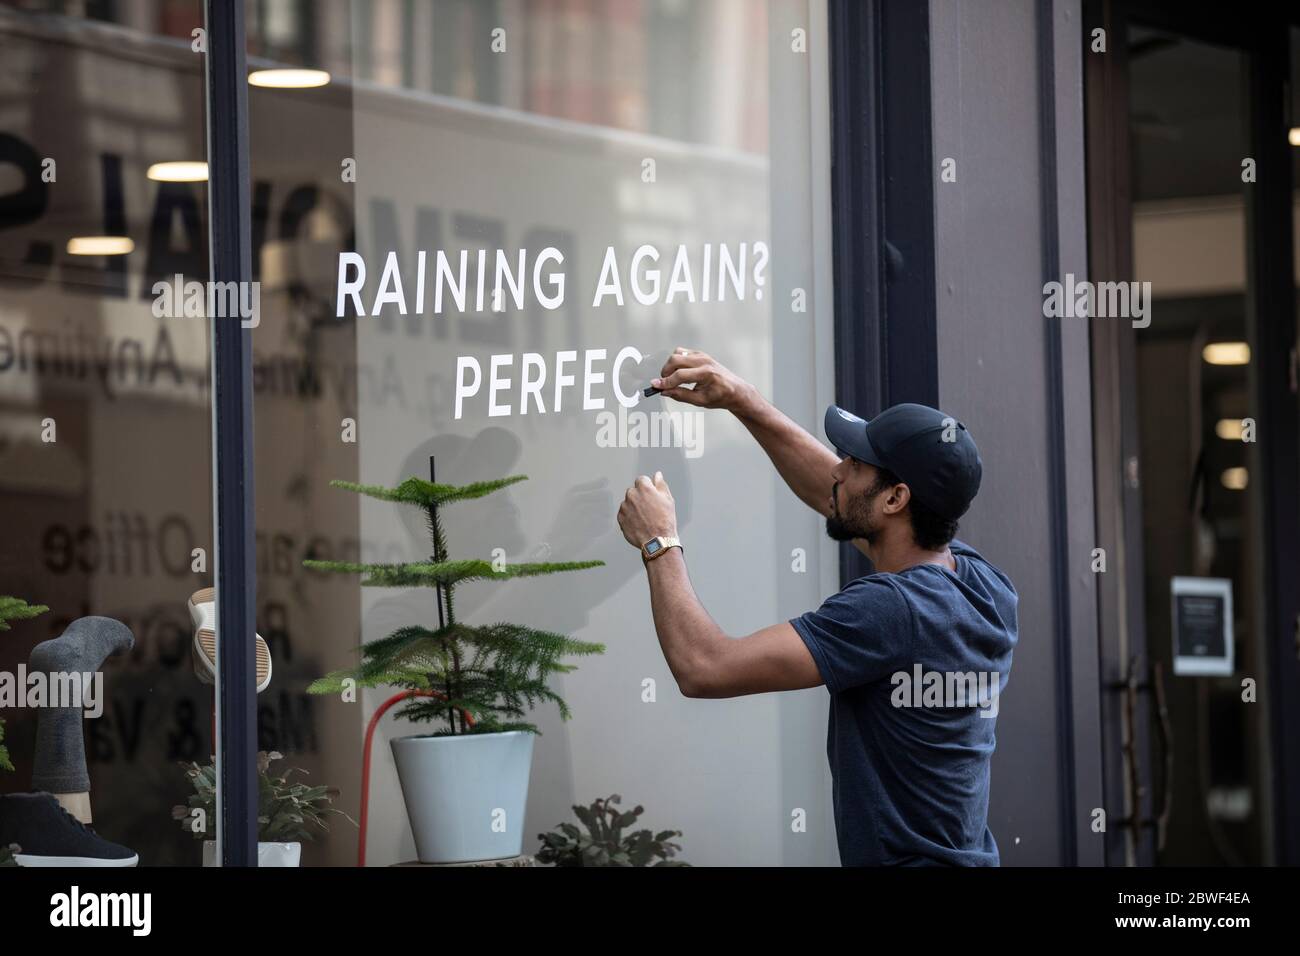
914,663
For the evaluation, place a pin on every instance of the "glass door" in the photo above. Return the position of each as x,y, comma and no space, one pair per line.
1190,180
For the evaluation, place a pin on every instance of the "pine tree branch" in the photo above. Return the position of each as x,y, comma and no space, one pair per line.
16,609
419,657
432,573
417,491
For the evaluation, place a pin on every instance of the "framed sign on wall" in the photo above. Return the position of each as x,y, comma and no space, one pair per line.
1202,626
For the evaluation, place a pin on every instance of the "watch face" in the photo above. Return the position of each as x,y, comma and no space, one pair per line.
652,546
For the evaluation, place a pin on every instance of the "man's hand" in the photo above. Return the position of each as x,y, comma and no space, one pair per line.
647,511
715,385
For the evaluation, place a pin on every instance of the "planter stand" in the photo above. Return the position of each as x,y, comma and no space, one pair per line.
509,861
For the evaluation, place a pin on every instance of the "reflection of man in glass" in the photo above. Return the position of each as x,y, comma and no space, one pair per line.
913,655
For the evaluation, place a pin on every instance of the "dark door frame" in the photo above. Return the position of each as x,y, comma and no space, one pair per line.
1121,624
1269,215
882,192
1263,36
886,288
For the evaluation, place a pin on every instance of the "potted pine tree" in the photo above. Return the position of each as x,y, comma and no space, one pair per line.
465,784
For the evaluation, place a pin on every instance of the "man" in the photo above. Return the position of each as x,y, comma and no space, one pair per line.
910,769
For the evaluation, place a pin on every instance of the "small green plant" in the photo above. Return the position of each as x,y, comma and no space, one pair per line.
7,854
604,843
287,811
492,672
5,762
16,609
13,609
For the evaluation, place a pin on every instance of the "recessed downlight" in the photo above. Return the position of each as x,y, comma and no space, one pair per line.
1235,479
1226,353
179,171
289,79
1229,429
100,245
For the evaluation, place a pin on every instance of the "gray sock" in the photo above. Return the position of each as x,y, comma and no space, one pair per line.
59,765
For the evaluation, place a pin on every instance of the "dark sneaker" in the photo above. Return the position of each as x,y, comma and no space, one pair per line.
48,835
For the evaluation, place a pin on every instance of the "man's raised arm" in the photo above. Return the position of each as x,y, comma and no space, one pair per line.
803,461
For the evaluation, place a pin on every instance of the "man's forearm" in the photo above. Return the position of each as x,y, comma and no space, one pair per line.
687,634
803,461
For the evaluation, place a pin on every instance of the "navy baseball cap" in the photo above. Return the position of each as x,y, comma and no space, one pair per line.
930,452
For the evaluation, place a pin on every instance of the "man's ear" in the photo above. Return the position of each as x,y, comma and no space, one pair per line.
897,499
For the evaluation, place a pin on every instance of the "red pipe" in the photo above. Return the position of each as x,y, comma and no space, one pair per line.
365,758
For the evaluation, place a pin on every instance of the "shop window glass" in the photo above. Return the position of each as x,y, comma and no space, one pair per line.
634,176
105,416
561,146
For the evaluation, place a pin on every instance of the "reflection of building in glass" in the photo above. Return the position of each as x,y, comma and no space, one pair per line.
695,72
688,71
105,520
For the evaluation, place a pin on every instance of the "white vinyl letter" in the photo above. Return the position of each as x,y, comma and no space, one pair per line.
549,254
561,380
651,253
590,378
530,387
627,352
352,288
464,362
496,383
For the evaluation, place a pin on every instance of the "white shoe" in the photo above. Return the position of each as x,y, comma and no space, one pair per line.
203,612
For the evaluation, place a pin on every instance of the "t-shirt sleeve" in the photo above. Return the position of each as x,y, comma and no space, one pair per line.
860,635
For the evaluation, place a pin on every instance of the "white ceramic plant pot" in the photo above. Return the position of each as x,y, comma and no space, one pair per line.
268,854
465,794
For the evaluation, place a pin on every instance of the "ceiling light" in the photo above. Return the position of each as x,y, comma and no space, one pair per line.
181,171
99,246
1226,353
1235,479
286,79
1229,429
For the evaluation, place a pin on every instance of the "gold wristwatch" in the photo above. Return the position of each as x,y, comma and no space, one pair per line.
659,545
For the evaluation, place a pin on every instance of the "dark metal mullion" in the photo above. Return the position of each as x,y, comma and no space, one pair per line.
883,207
1271,300
856,230
230,216
910,322
1056,465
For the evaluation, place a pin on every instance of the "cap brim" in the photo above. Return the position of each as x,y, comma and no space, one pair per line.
848,433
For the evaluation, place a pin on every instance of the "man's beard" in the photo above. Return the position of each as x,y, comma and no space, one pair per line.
856,524
840,530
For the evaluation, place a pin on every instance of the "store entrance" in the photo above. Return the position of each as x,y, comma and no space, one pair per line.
1195,429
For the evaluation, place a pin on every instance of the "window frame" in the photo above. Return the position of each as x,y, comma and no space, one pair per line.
234,560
